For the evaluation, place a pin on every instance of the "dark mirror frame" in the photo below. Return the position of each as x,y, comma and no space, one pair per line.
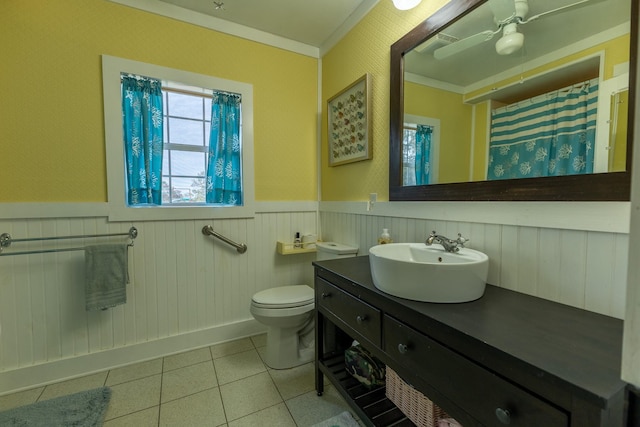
611,186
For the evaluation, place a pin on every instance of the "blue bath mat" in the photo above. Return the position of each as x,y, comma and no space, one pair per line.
84,409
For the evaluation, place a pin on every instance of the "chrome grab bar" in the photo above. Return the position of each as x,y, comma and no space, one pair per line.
6,240
207,230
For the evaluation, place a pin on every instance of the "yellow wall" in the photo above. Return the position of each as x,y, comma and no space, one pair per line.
480,141
51,113
455,127
616,51
366,50
619,158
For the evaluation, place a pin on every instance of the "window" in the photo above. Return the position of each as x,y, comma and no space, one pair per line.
186,113
187,122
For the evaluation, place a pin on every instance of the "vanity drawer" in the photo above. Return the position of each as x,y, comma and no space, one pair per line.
485,396
358,315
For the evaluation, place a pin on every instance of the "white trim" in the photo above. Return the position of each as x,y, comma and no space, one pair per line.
320,101
118,209
356,16
96,210
593,216
630,342
221,25
73,367
610,217
248,33
606,90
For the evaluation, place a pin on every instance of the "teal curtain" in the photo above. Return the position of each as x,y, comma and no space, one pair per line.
224,174
143,127
423,154
549,135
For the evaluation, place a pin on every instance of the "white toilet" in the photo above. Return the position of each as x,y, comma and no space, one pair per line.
287,311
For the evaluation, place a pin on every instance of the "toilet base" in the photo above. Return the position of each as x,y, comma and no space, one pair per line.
284,350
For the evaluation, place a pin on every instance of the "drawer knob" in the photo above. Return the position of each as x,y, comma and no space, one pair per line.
325,295
402,348
361,319
504,416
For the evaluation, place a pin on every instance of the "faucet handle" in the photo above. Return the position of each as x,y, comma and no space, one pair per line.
431,238
461,240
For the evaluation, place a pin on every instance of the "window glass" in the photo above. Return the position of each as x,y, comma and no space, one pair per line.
183,190
187,106
183,131
187,163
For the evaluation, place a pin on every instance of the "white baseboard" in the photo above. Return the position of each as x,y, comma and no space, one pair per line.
73,367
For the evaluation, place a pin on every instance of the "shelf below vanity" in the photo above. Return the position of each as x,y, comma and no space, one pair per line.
540,362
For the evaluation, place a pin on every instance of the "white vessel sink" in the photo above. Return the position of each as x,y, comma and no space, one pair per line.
419,272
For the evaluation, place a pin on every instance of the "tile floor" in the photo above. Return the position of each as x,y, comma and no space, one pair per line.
222,385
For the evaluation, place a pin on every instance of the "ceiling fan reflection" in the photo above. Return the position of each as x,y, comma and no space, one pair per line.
508,14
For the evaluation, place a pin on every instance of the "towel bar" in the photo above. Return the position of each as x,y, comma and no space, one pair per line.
6,240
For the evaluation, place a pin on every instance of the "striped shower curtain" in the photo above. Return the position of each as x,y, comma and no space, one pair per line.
549,135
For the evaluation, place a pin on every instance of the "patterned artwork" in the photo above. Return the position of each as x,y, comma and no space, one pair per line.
349,132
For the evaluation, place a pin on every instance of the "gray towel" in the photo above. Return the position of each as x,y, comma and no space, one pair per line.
106,275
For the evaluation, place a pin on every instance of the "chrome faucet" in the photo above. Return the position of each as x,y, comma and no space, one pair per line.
449,245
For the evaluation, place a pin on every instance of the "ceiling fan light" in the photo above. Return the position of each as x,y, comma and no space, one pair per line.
406,4
511,41
522,8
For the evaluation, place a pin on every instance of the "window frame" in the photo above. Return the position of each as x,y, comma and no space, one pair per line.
119,210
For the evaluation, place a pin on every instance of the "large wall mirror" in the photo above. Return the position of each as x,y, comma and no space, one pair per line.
515,100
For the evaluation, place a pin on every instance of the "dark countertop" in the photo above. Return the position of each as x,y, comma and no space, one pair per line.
548,347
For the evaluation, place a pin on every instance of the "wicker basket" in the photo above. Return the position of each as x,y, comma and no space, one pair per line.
419,409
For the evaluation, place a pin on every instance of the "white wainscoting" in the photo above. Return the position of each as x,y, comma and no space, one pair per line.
585,269
188,290
182,284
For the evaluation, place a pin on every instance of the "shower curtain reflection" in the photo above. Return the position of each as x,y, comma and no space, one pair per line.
549,135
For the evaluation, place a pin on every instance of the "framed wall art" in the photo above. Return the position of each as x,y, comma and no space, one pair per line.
349,123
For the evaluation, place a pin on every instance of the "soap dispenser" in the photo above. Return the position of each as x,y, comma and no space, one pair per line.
385,237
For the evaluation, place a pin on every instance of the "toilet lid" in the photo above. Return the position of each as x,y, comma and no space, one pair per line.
285,296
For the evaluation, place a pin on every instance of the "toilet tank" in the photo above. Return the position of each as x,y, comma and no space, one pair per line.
333,250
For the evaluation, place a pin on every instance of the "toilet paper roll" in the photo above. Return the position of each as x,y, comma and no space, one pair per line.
309,241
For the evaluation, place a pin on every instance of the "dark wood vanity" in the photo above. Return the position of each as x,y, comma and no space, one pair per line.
507,358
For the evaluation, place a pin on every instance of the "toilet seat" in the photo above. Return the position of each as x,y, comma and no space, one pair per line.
284,297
